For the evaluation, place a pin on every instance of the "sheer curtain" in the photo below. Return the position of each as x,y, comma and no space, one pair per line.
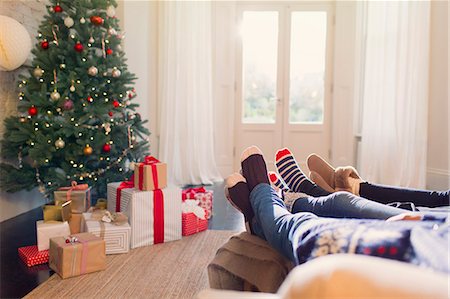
185,95
395,97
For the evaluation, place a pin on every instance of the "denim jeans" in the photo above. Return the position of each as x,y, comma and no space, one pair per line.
345,205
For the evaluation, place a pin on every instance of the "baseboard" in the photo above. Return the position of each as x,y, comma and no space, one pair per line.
438,179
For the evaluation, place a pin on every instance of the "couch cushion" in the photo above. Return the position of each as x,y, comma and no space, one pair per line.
240,263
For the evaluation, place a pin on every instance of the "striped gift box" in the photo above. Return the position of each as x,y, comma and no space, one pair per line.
112,190
152,224
117,237
31,256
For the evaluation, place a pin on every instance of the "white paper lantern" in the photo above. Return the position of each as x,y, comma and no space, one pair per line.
15,44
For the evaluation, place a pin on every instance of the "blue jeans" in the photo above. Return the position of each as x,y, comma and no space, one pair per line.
345,205
303,236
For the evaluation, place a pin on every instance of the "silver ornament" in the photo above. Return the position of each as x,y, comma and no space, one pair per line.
68,22
110,11
98,52
60,143
91,40
93,71
38,72
116,73
82,20
55,96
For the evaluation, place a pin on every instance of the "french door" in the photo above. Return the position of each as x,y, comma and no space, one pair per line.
283,79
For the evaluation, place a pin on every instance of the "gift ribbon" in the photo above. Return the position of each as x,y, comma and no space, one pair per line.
152,161
158,216
191,206
84,254
124,185
75,187
190,192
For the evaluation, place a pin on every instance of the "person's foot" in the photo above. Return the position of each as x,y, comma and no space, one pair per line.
410,216
254,167
347,179
321,170
276,182
317,178
238,194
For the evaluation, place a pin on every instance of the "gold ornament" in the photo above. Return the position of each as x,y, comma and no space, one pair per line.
38,72
55,96
22,119
116,73
87,151
93,71
60,143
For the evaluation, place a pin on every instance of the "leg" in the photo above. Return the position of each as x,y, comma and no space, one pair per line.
388,194
345,205
293,176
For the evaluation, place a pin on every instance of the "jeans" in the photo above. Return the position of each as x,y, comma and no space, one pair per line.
345,205
304,236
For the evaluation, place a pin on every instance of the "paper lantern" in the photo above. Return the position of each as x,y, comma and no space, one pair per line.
15,44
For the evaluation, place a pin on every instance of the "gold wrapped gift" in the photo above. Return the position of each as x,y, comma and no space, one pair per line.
60,211
80,195
77,254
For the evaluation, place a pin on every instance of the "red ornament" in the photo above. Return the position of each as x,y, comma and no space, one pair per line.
89,99
109,51
44,45
57,8
110,113
78,47
116,103
97,20
106,148
32,111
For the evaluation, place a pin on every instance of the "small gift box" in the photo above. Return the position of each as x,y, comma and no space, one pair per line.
75,223
154,216
77,254
80,195
111,227
114,195
150,175
204,197
192,218
31,256
62,211
47,230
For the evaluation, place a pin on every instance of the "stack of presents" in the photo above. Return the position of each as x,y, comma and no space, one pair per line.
75,237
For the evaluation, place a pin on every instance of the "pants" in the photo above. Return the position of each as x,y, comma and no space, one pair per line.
304,236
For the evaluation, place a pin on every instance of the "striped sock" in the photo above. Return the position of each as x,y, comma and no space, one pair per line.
293,176
276,181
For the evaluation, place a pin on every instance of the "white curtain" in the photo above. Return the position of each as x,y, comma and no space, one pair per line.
185,82
395,99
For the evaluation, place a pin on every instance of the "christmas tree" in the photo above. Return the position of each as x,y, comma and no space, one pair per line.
77,119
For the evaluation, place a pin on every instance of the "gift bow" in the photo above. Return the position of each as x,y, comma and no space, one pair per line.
190,192
74,187
149,160
108,217
191,206
123,185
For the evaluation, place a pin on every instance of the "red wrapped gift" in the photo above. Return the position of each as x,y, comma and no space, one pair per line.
31,256
192,218
203,196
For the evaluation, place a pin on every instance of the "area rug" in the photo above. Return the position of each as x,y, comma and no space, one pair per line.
171,270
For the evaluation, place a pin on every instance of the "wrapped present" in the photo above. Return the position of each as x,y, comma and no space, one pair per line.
47,230
150,175
77,254
204,197
111,227
75,223
62,211
154,216
192,218
80,195
31,256
114,195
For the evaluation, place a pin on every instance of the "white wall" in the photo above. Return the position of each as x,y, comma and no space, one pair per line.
438,168
30,14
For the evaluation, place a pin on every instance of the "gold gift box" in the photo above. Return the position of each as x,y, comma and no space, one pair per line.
81,199
86,255
148,175
57,211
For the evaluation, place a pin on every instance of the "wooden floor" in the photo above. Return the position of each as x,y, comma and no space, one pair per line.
17,280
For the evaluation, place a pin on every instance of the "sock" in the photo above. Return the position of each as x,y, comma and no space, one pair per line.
254,167
293,176
276,181
237,193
